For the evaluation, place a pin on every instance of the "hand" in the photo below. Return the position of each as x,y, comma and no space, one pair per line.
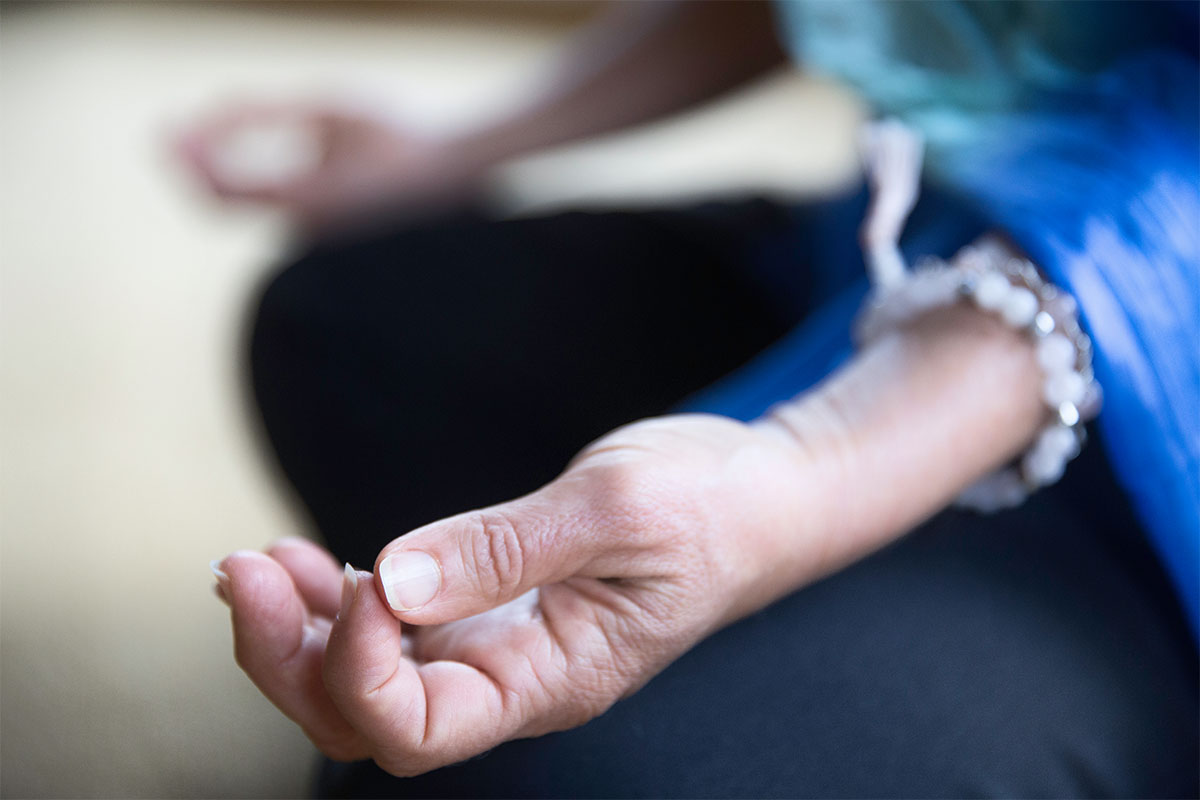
538,614
323,166
531,616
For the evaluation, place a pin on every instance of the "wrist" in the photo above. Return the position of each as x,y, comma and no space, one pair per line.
896,434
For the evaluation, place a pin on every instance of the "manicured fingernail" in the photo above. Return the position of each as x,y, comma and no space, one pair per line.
222,577
410,579
349,590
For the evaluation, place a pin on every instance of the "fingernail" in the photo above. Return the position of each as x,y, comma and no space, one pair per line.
410,579
349,590
222,577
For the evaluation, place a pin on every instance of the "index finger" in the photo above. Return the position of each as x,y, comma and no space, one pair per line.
415,717
255,152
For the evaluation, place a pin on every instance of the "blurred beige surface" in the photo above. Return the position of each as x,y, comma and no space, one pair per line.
128,457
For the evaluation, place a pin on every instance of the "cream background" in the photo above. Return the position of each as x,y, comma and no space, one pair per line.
128,459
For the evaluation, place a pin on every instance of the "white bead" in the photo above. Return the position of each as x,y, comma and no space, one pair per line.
922,293
970,259
1043,468
1056,354
1058,441
1068,413
944,288
1044,323
1062,306
1063,387
991,290
1019,308
994,492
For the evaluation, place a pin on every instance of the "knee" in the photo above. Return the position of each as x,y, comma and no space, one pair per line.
301,319
286,310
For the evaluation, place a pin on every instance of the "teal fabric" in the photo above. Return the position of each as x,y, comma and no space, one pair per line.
1074,128
944,65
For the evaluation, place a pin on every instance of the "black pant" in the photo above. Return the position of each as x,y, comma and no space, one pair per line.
410,375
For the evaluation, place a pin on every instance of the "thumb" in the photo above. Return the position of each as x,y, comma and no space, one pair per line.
470,563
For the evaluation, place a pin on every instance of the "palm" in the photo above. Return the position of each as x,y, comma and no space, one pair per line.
534,647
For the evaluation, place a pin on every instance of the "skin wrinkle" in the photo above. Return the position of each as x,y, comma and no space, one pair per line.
828,421
424,753
632,618
566,663
501,692
308,634
375,690
499,553
549,613
619,515
538,679
405,755
607,671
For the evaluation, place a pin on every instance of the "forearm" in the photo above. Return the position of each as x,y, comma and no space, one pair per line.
643,61
893,437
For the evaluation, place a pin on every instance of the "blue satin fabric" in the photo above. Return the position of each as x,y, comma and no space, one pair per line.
1094,171
1101,187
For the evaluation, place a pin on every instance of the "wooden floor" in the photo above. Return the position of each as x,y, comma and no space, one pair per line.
128,458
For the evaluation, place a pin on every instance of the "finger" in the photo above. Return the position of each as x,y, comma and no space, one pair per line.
472,562
257,153
200,157
221,124
415,718
281,649
318,577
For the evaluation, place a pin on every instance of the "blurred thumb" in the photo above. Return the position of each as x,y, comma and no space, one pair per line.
473,562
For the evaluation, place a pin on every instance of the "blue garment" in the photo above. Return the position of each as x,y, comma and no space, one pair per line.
1074,128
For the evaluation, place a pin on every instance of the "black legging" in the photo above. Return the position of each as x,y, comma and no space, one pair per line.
411,375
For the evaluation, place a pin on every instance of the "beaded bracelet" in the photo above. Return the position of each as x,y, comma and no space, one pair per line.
989,276
1011,288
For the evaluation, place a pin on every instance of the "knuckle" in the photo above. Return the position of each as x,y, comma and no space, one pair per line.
621,488
634,503
495,554
654,513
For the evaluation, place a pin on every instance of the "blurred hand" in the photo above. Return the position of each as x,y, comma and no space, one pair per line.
324,167
531,616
